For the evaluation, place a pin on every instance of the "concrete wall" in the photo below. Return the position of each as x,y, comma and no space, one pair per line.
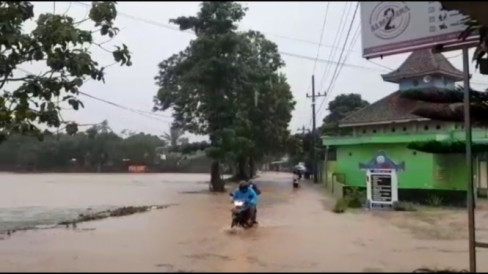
422,170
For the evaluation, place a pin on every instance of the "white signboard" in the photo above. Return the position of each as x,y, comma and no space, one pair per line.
395,27
381,187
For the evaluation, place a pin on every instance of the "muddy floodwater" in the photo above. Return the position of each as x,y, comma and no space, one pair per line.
297,230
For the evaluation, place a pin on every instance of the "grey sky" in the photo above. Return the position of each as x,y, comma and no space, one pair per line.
144,28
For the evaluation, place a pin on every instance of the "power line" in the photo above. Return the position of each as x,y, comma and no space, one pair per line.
353,42
334,81
329,61
321,36
158,24
335,43
140,112
335,74
176,29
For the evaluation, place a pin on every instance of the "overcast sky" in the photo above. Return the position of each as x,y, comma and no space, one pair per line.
294,26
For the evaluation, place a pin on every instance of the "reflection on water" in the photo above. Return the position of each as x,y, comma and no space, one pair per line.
30,200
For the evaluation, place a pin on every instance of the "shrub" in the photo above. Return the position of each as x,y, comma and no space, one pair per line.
341,205
356,198
435,201
404,206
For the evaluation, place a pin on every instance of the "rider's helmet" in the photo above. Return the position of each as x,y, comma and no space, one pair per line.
243,186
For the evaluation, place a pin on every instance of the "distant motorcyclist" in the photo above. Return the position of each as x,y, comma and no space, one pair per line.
245,193
298,173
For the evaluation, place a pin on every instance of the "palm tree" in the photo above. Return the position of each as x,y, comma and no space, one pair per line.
174,137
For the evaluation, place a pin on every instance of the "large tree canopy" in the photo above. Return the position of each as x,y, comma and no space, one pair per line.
339,108
226,84
97,148
62,47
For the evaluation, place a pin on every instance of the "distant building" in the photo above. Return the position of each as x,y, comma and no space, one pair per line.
375,152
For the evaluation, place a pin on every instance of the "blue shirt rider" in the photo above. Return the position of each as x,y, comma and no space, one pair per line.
248,195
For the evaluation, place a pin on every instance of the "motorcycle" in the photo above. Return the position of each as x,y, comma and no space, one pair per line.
296,183
241,215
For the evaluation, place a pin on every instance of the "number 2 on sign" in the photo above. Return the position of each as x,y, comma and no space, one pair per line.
389,14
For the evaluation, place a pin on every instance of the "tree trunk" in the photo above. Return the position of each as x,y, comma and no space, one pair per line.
241,170
216,183
252,167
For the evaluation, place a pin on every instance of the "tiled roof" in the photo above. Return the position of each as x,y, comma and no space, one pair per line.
423,62
392,108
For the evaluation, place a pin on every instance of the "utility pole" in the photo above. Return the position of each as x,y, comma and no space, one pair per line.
303,130
314,129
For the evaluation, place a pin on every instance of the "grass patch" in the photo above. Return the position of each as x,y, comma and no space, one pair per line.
404,206
434,201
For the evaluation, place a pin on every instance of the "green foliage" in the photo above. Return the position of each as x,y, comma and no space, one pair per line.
473,26
445,147
355,197
434,201
339,108
95,147
341,205
226,84
404,206
449,104
191,147
62,47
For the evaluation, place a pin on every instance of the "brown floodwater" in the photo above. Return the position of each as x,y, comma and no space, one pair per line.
297,230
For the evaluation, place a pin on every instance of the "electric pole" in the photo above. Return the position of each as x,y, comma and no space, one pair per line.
314,130
303,130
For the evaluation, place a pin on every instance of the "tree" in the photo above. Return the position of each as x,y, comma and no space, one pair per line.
213,85
199,82
265,105
96,149
339,108
59,44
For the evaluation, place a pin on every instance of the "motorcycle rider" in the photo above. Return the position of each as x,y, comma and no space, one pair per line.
245,193
254,187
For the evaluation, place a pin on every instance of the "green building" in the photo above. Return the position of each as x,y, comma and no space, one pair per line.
374,153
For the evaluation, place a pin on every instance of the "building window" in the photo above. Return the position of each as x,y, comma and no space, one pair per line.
404,129
415,153
438,126
350,153
364,131
374,130
426,127
393,129
415,83
332,154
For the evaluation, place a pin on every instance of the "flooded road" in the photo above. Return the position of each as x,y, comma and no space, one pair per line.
297,230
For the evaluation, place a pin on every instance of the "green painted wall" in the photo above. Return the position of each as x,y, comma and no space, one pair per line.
422,170
450,172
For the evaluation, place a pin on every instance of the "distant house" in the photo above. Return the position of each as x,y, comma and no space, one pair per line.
374,155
